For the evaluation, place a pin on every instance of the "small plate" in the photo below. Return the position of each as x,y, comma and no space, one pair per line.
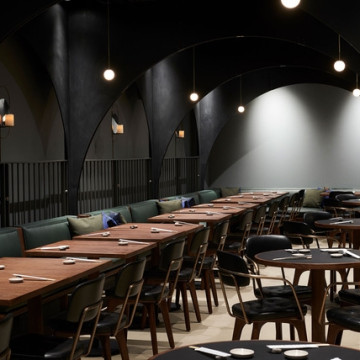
336,255
332,250
2,267
296,354
242,353
69,262
16,280
298,255
123,242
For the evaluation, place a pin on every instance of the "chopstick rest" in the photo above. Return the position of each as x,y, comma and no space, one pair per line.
2,267
60,247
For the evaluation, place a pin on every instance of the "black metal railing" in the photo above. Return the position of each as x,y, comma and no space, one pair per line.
38,190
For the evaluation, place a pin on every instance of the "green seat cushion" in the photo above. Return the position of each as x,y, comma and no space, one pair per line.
207,196
168,206
312,198
10,245
85,225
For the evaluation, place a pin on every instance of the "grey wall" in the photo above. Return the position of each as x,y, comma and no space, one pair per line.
299,136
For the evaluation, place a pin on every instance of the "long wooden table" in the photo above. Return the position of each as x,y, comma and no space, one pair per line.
220,205
144,232
31,293
92,249
257,198
203,217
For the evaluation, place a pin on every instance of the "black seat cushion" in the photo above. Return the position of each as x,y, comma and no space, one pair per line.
351,296
38,346
302,292
268,308
152,293
347,316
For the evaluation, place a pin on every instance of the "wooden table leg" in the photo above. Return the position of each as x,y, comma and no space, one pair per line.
35,315
318,286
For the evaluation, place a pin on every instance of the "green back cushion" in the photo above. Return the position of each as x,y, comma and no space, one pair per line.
141,211
39,233
85,225
206,196
10,245
312,198
166,207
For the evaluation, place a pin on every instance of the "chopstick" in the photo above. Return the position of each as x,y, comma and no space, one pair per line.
210,351
183,222
293,257
60,247
82,259
296,346
158,229
30,277
133,241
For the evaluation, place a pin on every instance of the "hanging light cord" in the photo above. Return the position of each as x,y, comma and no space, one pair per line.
108,32
193,68
339,45
240,90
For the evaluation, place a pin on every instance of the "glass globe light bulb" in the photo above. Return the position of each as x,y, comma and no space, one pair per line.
109,74
339,65
194,96
241,109
290,4
356,92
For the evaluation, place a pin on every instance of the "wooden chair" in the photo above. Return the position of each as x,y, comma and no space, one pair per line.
234,273
5,333
82,315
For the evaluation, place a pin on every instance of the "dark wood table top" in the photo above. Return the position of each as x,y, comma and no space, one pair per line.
261,351
13,294
339,223
218,210
234,205
190,218
91,249
142,232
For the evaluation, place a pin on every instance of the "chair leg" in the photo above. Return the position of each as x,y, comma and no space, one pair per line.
255,334
301,329
150,309
165,313
194,298
238,326
278,331
121,340
105,345
181,286
207,286
334,334
213,287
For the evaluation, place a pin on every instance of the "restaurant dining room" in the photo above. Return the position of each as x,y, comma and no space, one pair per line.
179,179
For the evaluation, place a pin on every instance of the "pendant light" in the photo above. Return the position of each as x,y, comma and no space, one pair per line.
290,4
356,91
339,64
194,96
109,73
241,107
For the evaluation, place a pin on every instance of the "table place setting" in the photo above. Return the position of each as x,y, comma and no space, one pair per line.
60,247
18,278
126,242
156,230
294,256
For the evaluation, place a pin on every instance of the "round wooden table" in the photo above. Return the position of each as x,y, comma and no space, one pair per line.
320,262
352,226
261,351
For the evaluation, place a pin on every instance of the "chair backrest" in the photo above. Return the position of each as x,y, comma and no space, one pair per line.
260,243
172,251
230,265
85,294
296,227
311,216
333,194
341,197
273,208
130,274
200,238
219,235
5,334
129,282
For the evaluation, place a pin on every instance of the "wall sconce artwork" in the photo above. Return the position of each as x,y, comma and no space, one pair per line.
116,128
180,134
7,119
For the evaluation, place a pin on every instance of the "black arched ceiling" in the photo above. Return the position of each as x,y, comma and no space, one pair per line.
269,45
